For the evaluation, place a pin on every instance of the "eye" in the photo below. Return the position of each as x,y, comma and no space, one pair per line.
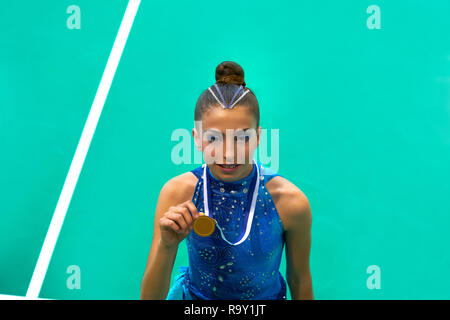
212,138
245,138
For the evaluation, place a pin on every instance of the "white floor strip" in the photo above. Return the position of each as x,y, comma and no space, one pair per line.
81,151
11,297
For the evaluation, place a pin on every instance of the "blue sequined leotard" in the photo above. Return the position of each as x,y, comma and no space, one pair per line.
220,271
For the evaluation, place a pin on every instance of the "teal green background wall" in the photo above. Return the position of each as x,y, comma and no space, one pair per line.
363,118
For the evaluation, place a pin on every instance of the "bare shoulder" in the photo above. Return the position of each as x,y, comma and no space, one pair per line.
291,203
180,188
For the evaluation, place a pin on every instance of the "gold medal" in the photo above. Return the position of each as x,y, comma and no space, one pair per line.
204,225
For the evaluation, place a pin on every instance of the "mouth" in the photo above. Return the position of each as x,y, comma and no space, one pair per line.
228,167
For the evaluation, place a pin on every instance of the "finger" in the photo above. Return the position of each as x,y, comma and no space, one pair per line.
169,224
184,211
192,208
178,218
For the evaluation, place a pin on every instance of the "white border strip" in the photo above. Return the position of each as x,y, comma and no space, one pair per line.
11,297
81,151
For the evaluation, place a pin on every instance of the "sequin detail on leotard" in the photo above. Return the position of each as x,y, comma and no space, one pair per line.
250,270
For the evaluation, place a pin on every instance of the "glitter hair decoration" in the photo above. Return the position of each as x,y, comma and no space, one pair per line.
222,103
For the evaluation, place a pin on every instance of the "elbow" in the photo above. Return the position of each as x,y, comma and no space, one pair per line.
148,291
145,292
301,287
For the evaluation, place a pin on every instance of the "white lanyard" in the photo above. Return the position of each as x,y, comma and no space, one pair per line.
252,207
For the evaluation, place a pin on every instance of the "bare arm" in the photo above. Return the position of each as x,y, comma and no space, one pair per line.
298,244
173,222
156,280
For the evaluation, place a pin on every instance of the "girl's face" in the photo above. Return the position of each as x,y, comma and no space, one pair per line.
228,136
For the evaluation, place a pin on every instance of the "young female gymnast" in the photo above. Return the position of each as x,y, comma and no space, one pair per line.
256,211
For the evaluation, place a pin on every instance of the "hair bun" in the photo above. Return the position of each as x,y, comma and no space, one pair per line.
230,72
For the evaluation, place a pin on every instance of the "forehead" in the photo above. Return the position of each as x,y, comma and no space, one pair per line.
222,119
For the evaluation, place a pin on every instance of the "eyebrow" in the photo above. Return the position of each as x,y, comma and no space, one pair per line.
214,130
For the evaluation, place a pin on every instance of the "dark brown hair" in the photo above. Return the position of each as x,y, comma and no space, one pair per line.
229,76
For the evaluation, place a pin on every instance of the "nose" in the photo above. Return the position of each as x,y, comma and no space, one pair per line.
229,151
229,156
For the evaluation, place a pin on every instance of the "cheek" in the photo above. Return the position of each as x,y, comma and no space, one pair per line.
208,147
244,150
212,149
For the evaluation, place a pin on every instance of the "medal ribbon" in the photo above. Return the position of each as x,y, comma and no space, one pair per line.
250,209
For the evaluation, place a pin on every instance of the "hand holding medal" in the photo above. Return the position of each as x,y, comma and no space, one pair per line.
177,223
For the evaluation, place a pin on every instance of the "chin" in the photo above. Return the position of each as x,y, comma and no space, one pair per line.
228,173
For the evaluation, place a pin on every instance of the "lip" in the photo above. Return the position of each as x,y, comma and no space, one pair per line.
227,170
